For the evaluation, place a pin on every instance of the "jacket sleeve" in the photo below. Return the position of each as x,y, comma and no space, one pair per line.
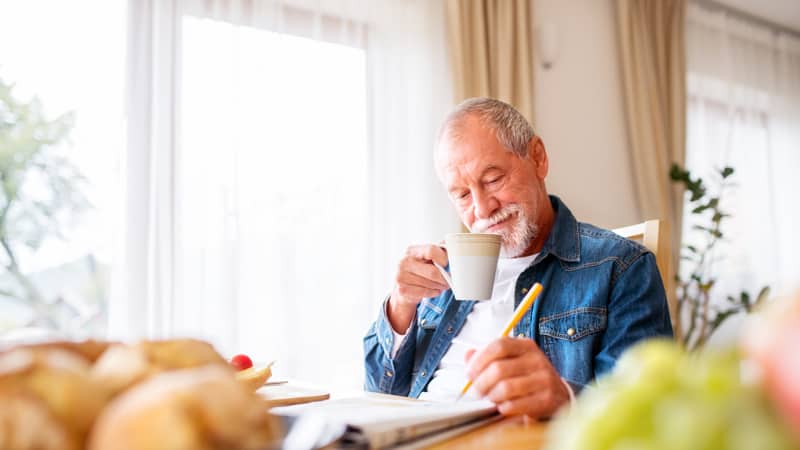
637,310
384,374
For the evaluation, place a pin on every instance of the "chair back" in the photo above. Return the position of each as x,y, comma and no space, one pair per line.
654,237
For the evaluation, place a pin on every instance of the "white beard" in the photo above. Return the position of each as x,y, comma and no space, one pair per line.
516,240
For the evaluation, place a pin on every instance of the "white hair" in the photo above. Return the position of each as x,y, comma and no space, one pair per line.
511,128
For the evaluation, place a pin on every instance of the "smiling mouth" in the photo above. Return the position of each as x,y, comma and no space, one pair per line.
500,224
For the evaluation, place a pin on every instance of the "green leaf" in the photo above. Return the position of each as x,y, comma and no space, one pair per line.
705,287
697,190
722,316
726,172
762,296
676,173
745,299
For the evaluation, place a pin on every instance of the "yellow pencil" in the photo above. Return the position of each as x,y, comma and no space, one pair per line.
523,307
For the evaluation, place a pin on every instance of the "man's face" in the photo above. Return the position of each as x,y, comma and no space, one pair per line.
492,188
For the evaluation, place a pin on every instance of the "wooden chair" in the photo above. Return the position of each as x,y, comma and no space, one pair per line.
653,236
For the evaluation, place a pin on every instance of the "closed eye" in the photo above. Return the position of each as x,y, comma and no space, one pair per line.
494,180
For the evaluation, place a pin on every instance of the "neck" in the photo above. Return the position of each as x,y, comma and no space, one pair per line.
545,224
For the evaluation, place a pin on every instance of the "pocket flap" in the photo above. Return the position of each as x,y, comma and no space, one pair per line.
574,324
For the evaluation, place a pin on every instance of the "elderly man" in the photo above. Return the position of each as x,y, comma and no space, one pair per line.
602,292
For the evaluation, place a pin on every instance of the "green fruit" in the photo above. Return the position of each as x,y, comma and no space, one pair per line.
658,397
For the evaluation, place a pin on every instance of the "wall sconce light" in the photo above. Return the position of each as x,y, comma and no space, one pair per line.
547,44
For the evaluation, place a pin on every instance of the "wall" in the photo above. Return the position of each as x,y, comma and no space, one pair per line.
579,113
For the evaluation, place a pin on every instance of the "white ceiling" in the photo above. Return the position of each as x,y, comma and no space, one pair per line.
783,12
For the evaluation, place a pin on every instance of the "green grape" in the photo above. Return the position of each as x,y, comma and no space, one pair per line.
658,398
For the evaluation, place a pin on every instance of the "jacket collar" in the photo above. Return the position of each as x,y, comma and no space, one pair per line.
563,242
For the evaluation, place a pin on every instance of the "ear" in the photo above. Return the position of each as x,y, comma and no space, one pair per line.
538,154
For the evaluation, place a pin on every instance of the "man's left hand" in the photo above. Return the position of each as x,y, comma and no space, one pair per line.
517,376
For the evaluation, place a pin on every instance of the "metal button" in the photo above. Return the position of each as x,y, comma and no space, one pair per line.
449,329
423,322
571,332
423,373
521,335
389,374
524,290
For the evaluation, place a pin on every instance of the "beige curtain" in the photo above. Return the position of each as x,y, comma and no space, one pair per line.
490,44
653,61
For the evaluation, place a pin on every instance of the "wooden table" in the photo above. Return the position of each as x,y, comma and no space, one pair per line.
509,433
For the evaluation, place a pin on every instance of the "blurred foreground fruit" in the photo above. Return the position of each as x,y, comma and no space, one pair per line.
772,340
659,397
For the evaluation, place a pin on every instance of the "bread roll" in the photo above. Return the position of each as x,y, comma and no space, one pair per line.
47,390
121,365
200,408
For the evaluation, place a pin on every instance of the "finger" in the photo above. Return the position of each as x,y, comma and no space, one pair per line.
420,280
514,387
502,348
431,272
429,252
413,271
538,405
414,292
500,370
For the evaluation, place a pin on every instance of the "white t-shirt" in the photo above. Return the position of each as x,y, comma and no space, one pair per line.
482,326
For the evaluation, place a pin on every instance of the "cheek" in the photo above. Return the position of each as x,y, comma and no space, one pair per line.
466,217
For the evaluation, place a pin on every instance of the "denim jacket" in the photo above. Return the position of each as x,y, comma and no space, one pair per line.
602,293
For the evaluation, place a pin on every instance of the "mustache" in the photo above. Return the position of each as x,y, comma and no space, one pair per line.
481,225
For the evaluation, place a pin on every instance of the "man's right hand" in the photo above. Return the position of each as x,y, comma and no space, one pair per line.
416,278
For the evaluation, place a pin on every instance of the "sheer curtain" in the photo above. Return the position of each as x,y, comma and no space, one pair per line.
278,163
744,111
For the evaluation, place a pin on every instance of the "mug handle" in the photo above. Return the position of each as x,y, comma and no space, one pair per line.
444,273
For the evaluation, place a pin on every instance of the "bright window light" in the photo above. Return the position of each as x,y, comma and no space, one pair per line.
272,198
70,55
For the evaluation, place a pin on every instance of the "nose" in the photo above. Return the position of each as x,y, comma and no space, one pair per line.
483,205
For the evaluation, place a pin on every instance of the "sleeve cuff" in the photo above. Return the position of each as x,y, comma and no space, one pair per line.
391,340
570,391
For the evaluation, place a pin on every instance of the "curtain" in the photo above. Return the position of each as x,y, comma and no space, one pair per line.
490,43
743,111
141,288
652,57
279,161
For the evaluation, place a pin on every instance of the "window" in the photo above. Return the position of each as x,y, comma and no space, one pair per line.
743,107
272,199
73,63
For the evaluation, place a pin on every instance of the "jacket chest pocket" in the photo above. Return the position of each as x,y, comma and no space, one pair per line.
570,340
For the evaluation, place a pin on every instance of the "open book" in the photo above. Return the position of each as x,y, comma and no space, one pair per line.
380,421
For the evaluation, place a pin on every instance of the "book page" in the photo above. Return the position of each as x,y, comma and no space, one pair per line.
386,420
